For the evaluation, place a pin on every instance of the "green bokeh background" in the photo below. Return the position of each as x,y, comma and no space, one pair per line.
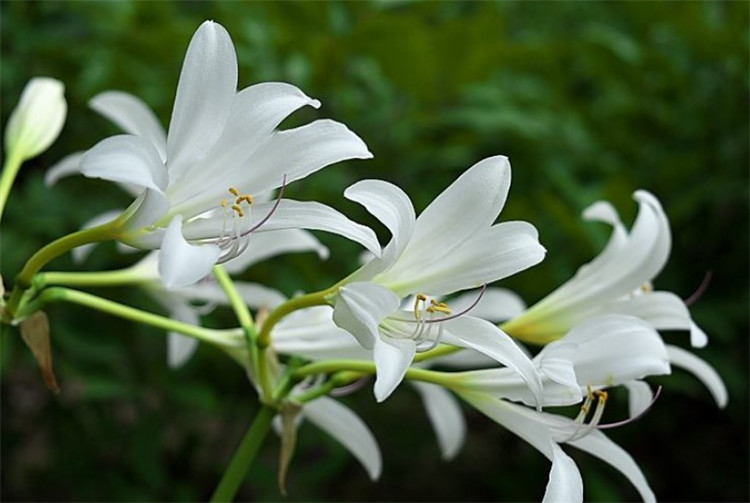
589,100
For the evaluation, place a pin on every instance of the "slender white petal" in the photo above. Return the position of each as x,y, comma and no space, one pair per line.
179,347
255,296
392,359
180,263
348,429
149,208
68,165
565,484
599,445
483,336
133,116
702,370
264,245
82,252
126,159
359,309
639,397
38,118
206,89
496,304
445,416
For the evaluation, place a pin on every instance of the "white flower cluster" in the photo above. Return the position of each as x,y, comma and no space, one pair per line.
419,309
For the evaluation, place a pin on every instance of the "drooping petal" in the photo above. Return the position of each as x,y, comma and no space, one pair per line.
269,244
80,253
702,370
445,416
126,159
392,359
359,309
639,397
348,429
133,116
180,347
483,336
597,444
68,165
180,263
495,305
205,91
393,208
254,295
565,484
468,205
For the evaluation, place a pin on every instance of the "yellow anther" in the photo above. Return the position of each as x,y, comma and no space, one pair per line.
223,203
246,197
438,307
421,296
603,396
234,191
236,207
646,287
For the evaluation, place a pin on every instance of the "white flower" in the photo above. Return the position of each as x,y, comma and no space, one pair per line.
37,119
202,188
452,246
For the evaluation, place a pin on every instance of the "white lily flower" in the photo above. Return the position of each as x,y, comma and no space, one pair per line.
546,431
616,281
452,246
37,120
197,185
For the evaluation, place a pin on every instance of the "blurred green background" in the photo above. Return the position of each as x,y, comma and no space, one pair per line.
590,100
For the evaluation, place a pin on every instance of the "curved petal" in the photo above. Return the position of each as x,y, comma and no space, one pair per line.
468,205
565,484
359,309
180,263
269,244
639,397
445,416
495,305
68,165
180,347
205,91
126,159
392,359
348,429
393,208
146,210
597,444
255,296
133,116
702,370
80,253
485,337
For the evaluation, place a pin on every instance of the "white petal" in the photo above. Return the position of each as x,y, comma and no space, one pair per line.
469,205
255,296
180,263
359,309
483,336
126,159
80,253
180,347
445,416
146,210
698,338
392,359
133,116
346,427
265,245
207,85
38,118
565,484
599,445
702,370
393,208
639,397
496,304
68,165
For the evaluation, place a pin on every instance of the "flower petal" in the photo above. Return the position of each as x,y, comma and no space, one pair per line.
68,165
348,429
81,252
639,397
359,309
392,359
597,444
254,295
565,484
495,305
205,91
133,116
702,370
483,336
445,416
126,159
265,245
180,263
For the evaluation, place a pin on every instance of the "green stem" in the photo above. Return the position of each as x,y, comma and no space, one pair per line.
243,457
288,307
238,305
10,169
336,380
366,367
225,338
103,278
50,252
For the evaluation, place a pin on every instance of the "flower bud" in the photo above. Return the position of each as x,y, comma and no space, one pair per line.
37,120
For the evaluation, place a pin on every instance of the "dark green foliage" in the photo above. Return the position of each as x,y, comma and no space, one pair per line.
590,100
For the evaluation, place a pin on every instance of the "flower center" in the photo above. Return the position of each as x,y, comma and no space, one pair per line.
581,428
234,239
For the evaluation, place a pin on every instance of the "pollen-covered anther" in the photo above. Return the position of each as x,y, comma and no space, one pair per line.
438,307
244,197
238,209
234,191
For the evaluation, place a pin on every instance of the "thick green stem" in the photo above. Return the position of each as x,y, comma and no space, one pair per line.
102,278
229,339
244,456
366,367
